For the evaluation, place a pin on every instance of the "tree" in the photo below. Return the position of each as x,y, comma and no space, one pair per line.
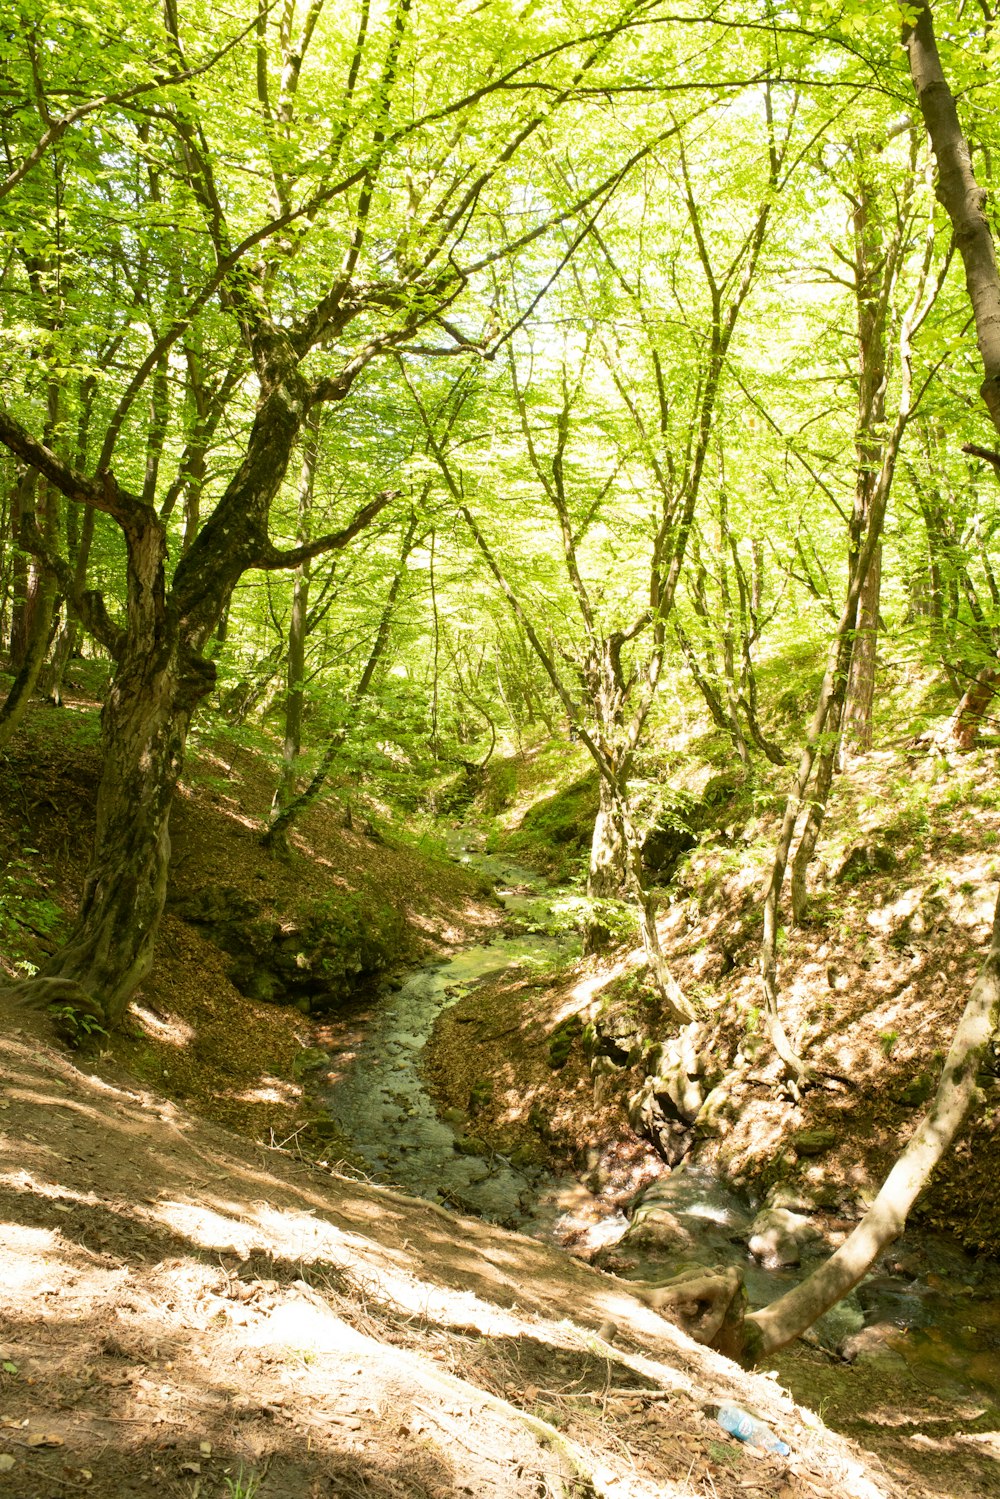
374,227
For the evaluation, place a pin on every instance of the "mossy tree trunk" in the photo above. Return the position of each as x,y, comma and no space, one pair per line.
161,674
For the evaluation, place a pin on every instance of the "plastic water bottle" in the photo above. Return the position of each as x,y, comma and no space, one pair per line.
746,1428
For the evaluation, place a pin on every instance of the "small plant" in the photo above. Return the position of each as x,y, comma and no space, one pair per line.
77,1026
887,1040
243,1487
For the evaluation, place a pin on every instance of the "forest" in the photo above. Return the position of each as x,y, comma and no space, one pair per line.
500,588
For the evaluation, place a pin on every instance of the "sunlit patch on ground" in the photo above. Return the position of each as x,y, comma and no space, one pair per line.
168,1028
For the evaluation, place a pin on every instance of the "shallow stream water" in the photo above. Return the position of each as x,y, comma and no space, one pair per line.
377,1095
937,1308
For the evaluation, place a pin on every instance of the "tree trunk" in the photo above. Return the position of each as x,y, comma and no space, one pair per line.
295,691
960,195
21,504
967,720
36,649
282,820
678,1006
144,729
606,875
857,734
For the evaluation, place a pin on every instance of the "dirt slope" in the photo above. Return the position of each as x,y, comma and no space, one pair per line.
183,1313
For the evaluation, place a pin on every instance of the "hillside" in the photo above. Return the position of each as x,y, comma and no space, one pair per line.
185,1313
338,1337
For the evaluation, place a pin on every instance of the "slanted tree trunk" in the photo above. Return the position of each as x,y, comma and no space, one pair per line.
798,1309
967,719
792,1314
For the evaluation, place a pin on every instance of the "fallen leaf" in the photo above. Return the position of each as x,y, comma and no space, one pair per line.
190,1467
6,1462
45,1439
205,1448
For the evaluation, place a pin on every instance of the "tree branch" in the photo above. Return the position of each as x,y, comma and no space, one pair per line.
272,559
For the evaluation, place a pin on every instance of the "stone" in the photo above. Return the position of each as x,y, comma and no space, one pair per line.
530,1153
874,1339
654,1227
778,1237
471,1145
308,1059
916,1092
804,1197
561,1041
814,1141
865,859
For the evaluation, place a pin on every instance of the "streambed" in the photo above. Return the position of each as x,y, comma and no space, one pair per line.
929,1314
377,1095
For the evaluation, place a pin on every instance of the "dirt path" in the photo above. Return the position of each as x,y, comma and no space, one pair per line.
185,1314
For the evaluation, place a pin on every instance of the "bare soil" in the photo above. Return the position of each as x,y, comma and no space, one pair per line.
183,1313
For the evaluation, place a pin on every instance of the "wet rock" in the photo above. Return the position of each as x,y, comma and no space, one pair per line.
471,1145
779,1237
654,1227
561,1041
814,1141
916,1092
867,1341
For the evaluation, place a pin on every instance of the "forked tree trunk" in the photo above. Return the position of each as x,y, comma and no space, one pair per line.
161,675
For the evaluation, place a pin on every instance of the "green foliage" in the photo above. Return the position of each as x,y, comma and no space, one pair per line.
76,1026
887,1040
243,1486
27,911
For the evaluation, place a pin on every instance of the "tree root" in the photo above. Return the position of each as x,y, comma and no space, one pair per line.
708,1304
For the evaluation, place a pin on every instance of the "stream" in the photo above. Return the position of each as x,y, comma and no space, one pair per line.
929,1312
